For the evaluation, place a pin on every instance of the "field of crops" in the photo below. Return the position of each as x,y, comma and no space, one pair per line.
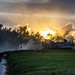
47,62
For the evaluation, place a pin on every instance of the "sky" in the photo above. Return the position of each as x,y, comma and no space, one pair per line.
37,13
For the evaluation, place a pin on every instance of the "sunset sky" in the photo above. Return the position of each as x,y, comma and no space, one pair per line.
37,13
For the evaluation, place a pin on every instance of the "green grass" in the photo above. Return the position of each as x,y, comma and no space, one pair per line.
52,62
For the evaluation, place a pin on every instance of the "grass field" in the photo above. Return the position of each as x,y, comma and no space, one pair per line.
52,62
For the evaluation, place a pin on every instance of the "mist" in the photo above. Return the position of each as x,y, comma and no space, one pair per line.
6,46
31,45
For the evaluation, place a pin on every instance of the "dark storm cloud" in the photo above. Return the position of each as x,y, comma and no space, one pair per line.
34,7
62,6
26,1
11,19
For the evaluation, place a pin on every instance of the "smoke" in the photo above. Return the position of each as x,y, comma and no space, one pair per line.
66,29
31,45
8,47
69,38
72,33
67,32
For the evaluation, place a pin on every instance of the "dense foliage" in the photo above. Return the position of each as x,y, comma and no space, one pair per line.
14,37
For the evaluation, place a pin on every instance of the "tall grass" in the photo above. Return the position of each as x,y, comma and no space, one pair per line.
52,62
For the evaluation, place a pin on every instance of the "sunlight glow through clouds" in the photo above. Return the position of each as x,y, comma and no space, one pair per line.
44,13
37,15
47,31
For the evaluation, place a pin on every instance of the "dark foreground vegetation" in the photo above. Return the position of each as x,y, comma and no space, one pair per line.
47,62
1,56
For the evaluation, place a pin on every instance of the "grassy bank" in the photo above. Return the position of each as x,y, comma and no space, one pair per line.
53,62
1,55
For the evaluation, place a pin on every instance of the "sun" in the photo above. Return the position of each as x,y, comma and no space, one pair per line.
46,32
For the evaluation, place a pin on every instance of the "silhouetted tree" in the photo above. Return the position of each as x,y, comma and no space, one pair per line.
1,26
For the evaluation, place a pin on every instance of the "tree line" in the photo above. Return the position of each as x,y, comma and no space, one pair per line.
16,37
